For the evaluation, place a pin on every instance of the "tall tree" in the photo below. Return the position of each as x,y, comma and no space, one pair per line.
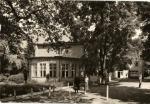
103,27
144,12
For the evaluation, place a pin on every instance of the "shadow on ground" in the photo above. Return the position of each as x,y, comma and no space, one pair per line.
123,93
134,80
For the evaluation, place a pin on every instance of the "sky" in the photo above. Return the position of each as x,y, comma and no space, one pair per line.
66,38
138,33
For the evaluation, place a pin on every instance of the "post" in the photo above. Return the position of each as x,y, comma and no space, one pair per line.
49,91
68,84
107,92
69,91
31,92
43,90
15,94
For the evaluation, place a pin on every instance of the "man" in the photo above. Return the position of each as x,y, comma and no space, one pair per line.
86,83
140,80
76,84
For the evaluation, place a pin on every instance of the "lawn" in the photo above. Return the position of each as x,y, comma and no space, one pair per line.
124,93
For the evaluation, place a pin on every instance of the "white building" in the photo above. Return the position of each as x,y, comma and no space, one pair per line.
121,74
60,64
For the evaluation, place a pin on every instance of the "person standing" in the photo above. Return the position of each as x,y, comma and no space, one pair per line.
86,83
140,80
76,84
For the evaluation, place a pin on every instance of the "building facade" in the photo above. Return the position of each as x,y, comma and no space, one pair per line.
62,63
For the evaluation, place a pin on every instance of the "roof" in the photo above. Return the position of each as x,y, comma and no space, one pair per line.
55,57
57,44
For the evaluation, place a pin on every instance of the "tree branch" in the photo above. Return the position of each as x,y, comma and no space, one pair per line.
22,17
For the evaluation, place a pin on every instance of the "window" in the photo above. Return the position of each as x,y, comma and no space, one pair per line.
52,70
73,69
65,68
34,70
66,51
43,69
59,51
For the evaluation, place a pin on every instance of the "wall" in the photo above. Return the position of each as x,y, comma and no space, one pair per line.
123,74
58,62
75,51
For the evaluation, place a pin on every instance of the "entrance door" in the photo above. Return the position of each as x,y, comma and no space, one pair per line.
118,74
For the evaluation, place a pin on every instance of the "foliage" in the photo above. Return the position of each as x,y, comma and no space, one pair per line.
18,78
144,8
6,90
113,26
2,78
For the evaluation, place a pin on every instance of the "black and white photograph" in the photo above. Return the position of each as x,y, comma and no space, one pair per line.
75,51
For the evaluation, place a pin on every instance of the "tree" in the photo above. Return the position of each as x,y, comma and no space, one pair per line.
144,8
113,26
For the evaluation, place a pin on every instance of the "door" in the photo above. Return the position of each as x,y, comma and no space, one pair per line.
118,74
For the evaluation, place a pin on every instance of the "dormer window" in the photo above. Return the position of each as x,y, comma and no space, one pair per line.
66,51
59,51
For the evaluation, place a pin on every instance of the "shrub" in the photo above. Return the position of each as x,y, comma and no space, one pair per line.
18,78
32,82
2,78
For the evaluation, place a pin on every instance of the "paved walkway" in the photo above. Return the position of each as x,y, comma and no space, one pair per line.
98,99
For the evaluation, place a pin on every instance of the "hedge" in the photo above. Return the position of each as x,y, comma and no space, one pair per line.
17,78
8,90
2,78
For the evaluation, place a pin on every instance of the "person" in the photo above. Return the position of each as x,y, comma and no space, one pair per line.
86,83
140,80
25,73
76,84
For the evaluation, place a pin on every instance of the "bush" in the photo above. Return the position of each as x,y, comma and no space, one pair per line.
18,78
2,78
32,82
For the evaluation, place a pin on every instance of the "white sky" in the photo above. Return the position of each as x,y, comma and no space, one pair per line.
138,33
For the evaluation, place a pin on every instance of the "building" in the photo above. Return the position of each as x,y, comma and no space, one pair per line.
120,74
62,63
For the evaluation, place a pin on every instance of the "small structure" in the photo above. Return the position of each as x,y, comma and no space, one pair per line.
120,74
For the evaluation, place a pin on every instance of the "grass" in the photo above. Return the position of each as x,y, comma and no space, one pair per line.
124,94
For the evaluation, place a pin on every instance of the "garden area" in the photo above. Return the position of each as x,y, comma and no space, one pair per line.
13,89
56,97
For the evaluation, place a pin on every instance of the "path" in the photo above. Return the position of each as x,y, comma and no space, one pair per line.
98,99
94,97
